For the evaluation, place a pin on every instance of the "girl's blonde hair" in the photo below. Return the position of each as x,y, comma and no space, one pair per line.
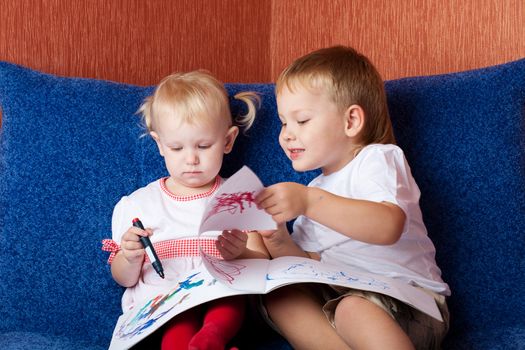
195,97
349,78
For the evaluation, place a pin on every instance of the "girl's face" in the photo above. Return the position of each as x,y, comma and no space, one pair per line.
313,130
193,153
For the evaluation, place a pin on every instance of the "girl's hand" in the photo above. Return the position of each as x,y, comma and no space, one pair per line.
231,243
283,201
131,246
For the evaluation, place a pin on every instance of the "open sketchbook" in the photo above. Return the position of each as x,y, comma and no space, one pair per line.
232,207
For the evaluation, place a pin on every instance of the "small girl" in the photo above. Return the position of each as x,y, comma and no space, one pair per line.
189,118
361,212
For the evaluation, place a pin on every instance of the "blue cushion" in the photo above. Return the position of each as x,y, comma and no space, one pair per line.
71,147
464,137
36,341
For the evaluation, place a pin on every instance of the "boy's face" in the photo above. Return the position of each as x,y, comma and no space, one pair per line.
313,130
193,153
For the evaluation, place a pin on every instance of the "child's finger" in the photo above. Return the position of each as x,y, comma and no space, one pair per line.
236,235
223,249
131,245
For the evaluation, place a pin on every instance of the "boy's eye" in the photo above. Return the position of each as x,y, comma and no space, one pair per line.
204,146
176,148
301,122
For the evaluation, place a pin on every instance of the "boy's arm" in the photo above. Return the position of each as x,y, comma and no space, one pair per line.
255,248
366,221
280,243
362,220
235,244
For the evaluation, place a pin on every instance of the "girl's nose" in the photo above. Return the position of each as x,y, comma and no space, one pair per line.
192,158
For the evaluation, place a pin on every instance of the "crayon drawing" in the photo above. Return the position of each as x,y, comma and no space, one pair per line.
222,270
305,269
149,313
232,203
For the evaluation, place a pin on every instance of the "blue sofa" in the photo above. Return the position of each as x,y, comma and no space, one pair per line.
71,147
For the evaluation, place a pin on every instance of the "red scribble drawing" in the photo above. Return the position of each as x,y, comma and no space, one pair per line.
226,270
232,203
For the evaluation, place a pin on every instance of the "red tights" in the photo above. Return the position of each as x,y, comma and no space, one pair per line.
191,331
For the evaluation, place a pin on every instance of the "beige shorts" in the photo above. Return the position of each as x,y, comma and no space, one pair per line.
424,331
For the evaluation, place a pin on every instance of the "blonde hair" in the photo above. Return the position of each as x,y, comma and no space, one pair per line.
349,78
195,97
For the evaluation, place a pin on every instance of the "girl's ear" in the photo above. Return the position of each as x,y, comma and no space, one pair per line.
354,120
155,137
231,135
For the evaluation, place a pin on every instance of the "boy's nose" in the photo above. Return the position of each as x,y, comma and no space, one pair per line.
287,135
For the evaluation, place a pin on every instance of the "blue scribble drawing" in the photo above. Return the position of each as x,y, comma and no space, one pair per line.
308,270
144,319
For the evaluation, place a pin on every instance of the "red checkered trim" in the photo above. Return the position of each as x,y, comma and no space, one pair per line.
206,194
185,247
171,249
110,245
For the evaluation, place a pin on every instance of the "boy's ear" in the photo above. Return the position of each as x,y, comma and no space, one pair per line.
231,135
155,137
354,120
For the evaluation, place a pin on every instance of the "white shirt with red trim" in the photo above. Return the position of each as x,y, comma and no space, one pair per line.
379,173
170,217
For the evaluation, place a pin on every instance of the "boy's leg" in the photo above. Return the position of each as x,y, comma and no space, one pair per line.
297,311
364,325
222,321
180,330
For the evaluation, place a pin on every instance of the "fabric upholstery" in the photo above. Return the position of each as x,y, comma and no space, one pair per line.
71,147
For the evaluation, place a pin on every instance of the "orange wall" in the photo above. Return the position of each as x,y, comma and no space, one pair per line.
139,42
403,37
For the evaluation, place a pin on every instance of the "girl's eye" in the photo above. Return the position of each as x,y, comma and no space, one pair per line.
204,146
301,122
176,149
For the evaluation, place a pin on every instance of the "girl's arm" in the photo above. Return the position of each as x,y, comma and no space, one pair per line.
127,264
125,273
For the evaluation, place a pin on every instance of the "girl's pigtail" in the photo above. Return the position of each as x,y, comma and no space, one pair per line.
253,102
145,114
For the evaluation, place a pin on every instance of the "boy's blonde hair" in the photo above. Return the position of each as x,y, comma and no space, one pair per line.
349,78
195,97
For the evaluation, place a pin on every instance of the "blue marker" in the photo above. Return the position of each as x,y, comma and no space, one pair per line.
148,247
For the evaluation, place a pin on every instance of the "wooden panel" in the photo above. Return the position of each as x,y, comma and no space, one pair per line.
138,41
402,37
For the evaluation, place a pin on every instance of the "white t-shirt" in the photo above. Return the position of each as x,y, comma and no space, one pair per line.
379,173
170,217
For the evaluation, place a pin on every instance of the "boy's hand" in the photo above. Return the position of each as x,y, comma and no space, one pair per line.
131,246
283,201
231,243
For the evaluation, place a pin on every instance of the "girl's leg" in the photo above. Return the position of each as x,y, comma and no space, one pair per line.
180,330
297,311
364,325
222,321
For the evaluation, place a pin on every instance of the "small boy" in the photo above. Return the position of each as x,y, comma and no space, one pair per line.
361,212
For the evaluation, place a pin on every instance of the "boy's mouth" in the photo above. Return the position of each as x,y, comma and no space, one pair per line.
295,153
